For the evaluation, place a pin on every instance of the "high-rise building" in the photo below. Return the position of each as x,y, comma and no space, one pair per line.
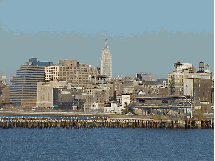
75,73
106,62
24,83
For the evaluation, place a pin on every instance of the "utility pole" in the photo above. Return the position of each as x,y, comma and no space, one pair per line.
191,104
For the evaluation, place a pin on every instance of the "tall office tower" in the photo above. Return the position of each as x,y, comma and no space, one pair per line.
24,84
106,62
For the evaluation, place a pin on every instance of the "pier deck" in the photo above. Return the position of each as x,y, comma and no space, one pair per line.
103,121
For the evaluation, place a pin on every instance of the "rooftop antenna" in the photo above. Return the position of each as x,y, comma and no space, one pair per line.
106,46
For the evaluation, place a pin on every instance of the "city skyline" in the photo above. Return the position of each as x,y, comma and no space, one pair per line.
76,86
60,105
149,40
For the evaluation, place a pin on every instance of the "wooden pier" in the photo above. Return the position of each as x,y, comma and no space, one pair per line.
99,122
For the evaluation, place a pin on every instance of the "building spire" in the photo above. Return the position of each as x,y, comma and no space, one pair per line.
106,46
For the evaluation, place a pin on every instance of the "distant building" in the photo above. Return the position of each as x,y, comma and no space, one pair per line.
176,78
144,77
75,73
199,86
52,73
4,91
106,62
112,108
60,95
95,99
126,100
24,83
28,103
163,89
69,97
180,67
185,81
45,92
176,85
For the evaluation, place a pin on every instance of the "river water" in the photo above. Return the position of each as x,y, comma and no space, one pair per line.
106,144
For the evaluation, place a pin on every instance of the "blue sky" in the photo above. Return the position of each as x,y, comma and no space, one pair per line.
125,24
113,16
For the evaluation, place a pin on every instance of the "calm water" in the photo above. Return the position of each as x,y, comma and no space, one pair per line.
106,144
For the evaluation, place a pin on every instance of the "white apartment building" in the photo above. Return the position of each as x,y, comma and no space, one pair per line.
52,73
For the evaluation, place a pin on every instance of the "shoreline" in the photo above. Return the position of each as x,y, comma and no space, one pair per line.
101,121
49,113
83,114
72,114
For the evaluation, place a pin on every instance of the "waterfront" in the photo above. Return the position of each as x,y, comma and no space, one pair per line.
119,121
106,144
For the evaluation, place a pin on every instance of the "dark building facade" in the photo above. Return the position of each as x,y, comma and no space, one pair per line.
202,90
64,98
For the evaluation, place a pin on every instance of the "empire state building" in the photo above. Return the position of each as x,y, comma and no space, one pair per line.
106,61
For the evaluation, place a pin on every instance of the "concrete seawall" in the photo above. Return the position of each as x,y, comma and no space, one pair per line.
99,122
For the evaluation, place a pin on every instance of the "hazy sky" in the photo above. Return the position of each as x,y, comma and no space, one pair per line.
143,36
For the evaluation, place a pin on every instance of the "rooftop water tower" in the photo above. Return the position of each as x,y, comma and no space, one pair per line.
201,67
207,70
